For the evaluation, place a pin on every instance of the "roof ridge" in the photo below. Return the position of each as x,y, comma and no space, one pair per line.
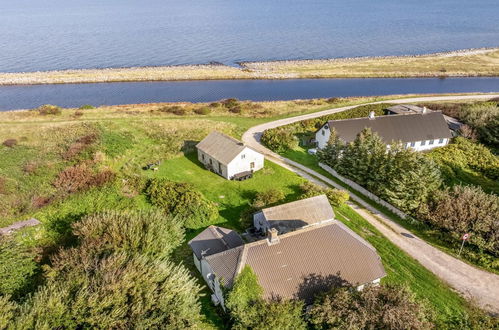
321,196
241,261
387,116
228,137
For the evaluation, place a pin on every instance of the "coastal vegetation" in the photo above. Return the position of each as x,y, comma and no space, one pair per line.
465,63
107,232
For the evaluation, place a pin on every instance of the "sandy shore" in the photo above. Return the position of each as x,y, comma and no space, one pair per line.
462,63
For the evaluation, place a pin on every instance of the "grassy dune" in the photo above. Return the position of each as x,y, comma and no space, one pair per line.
478,62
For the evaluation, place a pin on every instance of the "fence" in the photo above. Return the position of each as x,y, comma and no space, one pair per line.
363,191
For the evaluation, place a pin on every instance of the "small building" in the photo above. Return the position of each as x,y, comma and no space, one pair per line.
421,131
294,215
409,109
228,157
298,264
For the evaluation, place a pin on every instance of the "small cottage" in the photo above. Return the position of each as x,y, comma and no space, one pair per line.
419,131
294,215
228,157
295,265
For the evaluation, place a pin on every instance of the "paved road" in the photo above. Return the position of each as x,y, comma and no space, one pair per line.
466,279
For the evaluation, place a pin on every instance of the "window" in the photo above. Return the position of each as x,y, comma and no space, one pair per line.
413,144
323,132
211,161
220,168
243,156
423,143
202,156
440,141
252,165
432,141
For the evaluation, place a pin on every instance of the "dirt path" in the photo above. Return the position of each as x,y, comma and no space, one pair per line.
471,282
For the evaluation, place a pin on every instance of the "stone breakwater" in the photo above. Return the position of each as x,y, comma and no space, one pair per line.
479,62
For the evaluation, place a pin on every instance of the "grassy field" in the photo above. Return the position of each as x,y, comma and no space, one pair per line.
127,138
478,62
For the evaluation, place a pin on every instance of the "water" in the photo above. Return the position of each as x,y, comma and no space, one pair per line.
61,34
75,95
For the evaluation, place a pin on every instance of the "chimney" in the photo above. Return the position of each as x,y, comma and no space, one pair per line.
372,115
425,110
272,236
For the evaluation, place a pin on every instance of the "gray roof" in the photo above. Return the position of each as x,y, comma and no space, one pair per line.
406,109
18,225
404,128
221,147
213,240
297,214
304,262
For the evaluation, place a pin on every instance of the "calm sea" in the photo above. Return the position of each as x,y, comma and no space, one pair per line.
63,34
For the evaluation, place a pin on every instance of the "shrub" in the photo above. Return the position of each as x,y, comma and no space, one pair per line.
77,114
10,143
81,177
236,109
86,107
48,109
215,105
279,139
267,198
335,196
333,100
202,111
113,292
175,109
383,307
183,200
467,209
30,167
17,267
149,233
230,103
40,201
79,146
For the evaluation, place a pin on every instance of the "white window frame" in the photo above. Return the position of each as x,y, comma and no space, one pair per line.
423,143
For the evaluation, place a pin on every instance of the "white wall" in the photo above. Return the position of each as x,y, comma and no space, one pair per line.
205,159
213,285
242,162
322,136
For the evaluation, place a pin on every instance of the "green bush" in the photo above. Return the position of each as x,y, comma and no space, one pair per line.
279,139
17,267
149,233
175,109
48,109
182,200
86,107
383,307
117,291
267,198
202,111
335,196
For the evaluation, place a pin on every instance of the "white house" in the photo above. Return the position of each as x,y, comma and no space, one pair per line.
421,131
228,157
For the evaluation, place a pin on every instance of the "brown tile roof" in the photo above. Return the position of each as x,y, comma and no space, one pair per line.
304,262
221,147
405,128
213,240
297,214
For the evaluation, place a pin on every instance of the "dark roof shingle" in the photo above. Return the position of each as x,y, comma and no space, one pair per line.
213,240
404,128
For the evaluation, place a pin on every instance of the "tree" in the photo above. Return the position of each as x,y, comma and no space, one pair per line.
17,267
467,209
267,198
383,307
146,232
336,197
182,200
249,310
484,118
245,292
280,139
331,154
412,181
